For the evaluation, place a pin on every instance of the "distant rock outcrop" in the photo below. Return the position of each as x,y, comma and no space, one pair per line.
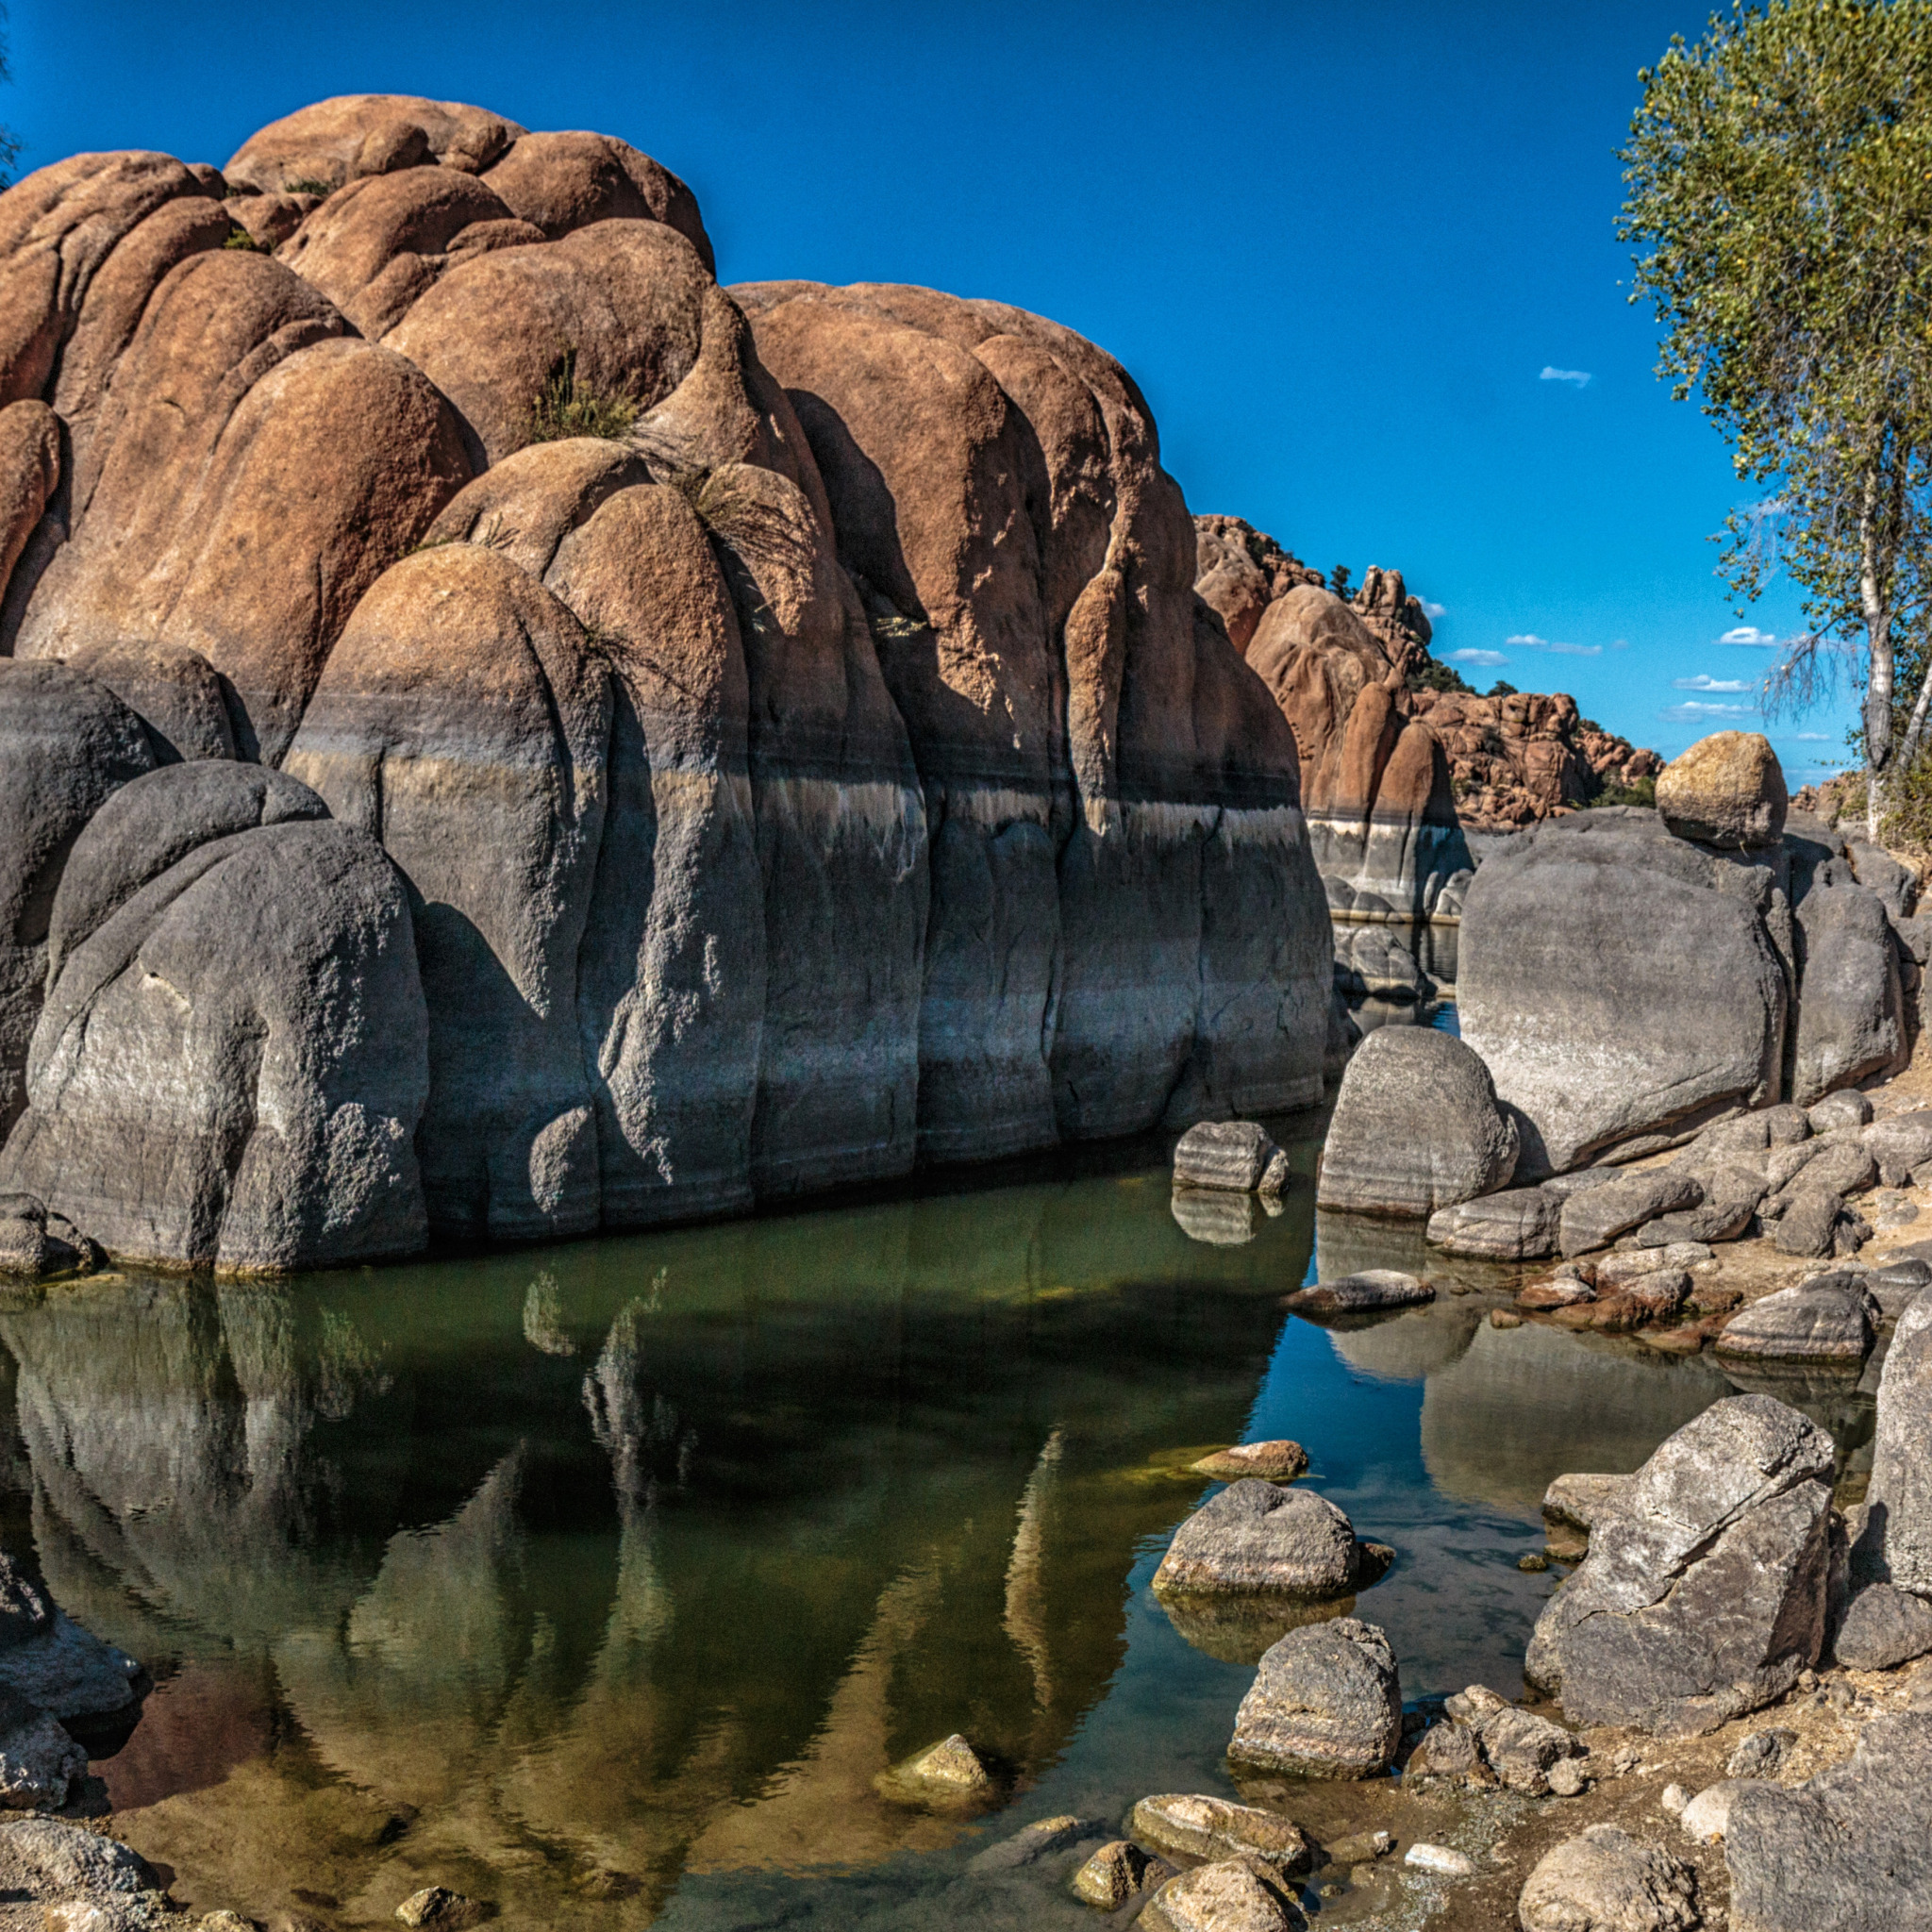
760,738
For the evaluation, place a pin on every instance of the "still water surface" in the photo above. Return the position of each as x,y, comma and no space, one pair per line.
603,1581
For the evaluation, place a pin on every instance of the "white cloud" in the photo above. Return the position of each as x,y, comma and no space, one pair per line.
1434,609
1693,712
1747,634
1528,641
1621,644
1806,738
1487,660
1703,681
1579,376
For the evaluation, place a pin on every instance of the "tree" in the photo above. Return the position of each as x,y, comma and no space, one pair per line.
1779,191
9,142
1338,581
1501,688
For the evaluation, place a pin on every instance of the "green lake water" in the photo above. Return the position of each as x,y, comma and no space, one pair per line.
603,1581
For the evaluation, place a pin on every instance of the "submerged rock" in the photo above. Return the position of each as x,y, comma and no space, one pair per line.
1326,1703
1115,1873
1192,1826
1604,1880
1416,1127
1274,1462
950,1772
1256,1537
1365,1293
1704,1593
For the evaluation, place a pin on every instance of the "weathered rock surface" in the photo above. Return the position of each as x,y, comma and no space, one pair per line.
1416,1127
1254,1536
1516,1225
1361,1294
1192,1826
1595,1217
1852,1846
1728,790
1851,1009
231,1061
1326,1702
1704,1592
1898,1143
1115,1873
1519,1748
1239,1156
1810,1220
1619,983
49,1857
856,778
1604,1880
1233,1895
1274,1462
1883,1627
1829,1320
1586,1499
1899,1514
39,1764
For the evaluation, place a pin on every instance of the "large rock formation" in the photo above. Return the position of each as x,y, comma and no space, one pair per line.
786,713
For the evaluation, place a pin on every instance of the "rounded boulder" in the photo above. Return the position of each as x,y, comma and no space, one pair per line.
1416,1127
1728,790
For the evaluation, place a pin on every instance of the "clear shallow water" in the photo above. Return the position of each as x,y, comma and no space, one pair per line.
613,1574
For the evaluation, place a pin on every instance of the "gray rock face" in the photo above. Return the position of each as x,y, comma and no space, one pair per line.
1851,1010
1895,1285
1416,1127
1829,1320
1326,1702
1256,1536
39,1762
1809,1223
1704,1595
1883,1627
1519,1748
1595,1217
232,1058
1760,1754
1604,1880
69,1672
1239,1156
173,690
1517,1224
66,743
1900,1497
1732,1191
1851,1847
1846,1108
1896,886
1618,982
48,1856
1898,1145
1361,1294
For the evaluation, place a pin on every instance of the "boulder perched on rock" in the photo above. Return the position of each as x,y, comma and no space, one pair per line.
1326,1702
1604,1880
1621,984
1239,1156
1367,1294
1829,1320
1899,1511
1704,1595
1254,1536
1728,790
1416,1127
1851,1846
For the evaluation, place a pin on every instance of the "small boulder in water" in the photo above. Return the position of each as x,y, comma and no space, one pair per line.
1365,1293
1238,1156
948,1772
1115,1873
1326,1703
39,1764
1255,1535
1276,1462
1190,1826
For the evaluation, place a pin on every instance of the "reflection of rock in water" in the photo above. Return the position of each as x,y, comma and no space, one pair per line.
543,1327
1218,1216
1409,1345
1838,1399
1238,1629
1350,1243
1523,1406
1025,1618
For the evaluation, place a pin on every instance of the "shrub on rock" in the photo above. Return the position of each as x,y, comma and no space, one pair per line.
1416,1127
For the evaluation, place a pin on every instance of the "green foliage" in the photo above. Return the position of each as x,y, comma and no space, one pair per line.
567,407
1908,821
1641,792
325,189
1500,689
1338,581
241,238
1430,676
1779,178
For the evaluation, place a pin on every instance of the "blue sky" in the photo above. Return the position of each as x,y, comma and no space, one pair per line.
1359,257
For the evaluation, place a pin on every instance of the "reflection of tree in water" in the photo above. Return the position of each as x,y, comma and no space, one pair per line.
543,1327
1025,1618
640,1434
